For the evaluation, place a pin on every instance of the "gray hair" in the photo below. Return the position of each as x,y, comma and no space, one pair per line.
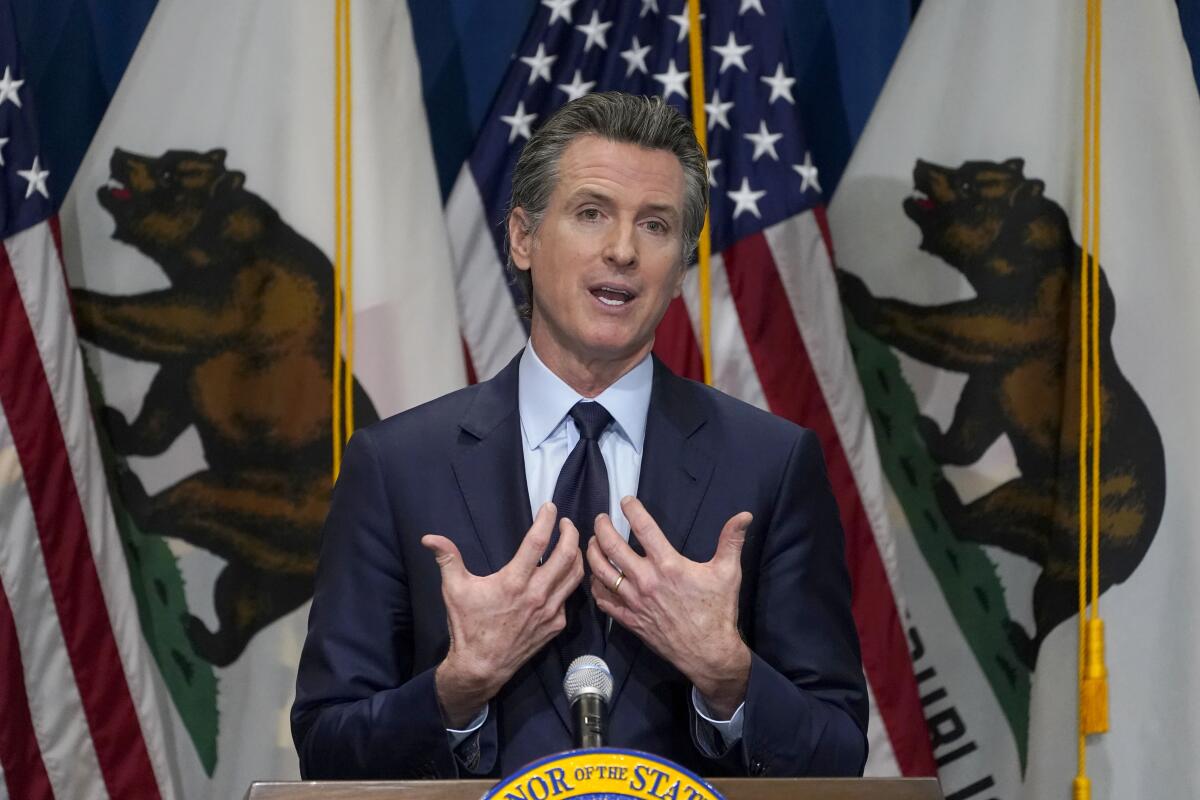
643,121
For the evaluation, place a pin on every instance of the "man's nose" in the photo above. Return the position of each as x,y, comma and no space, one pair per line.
620,249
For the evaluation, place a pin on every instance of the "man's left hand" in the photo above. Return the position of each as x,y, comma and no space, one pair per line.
683,610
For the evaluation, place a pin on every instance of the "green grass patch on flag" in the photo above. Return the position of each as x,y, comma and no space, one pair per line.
162,606
965,573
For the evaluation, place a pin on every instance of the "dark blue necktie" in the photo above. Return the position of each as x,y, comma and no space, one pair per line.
582,488
581,493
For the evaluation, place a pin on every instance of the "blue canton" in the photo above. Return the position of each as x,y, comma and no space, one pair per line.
24,197
761,172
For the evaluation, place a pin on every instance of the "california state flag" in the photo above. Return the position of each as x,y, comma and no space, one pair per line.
958,225
199,234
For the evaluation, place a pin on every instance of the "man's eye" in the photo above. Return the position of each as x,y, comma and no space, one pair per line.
590,214
656,226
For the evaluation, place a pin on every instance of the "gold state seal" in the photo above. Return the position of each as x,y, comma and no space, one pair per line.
603,773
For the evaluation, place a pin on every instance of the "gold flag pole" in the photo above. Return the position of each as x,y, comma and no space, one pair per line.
704,253
343,239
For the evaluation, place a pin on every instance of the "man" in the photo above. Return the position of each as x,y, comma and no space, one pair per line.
698,550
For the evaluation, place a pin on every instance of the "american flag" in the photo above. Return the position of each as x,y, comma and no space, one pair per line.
778,337
72,700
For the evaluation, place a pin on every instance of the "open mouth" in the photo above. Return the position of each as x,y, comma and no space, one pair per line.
117,190
612,296
922,201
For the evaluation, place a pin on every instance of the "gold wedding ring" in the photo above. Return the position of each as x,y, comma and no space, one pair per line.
617,583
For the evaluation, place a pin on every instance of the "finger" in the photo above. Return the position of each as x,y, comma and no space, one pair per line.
595,555
648,533
733,538
564,557
537,538
449,560
602,593
602,569
568,583
612,603
614,548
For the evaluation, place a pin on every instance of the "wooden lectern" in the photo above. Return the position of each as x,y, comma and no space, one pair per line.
732,788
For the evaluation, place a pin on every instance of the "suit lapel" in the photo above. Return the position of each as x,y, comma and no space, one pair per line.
490,469
675,474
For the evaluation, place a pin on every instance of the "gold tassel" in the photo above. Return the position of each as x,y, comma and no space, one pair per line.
1081,789
1093,695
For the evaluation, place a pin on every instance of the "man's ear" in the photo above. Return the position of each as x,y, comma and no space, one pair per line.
520,238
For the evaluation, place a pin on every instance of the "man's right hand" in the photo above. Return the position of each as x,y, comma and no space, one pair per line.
498,622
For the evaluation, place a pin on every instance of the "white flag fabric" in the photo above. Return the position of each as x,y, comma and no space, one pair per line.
198,235
79,703
958,225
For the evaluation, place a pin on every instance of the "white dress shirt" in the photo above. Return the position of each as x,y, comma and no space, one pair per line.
548,435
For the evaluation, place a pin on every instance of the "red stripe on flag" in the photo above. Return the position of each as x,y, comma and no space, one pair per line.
24,771
74,582
675,342
792,391
472,378
822,218
56,235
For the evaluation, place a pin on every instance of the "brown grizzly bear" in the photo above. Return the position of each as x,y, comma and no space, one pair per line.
1017,340
244,342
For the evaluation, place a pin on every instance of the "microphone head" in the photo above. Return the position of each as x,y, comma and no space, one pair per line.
588,675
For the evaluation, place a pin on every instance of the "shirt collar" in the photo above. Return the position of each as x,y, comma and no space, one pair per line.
544,399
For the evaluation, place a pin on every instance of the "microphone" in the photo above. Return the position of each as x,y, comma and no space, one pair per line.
588,686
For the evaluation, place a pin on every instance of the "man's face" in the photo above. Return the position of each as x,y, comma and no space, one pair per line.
607,258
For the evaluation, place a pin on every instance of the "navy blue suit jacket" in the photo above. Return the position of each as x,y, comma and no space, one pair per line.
366,706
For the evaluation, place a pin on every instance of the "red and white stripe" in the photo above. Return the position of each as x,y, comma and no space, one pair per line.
491,331
779,343
76,679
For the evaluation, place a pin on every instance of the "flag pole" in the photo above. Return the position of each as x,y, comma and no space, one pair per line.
339,10
704,254
342,416
348,241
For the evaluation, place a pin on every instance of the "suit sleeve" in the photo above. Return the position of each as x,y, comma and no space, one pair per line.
806,704
360,712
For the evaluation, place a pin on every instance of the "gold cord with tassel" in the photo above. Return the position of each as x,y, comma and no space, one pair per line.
1092,673
1094,689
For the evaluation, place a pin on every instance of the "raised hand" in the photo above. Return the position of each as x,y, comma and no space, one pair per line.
498,622
683,610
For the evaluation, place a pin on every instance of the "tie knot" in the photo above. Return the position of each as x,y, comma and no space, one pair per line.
591,419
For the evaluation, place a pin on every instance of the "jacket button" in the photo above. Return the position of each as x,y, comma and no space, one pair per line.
757,767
